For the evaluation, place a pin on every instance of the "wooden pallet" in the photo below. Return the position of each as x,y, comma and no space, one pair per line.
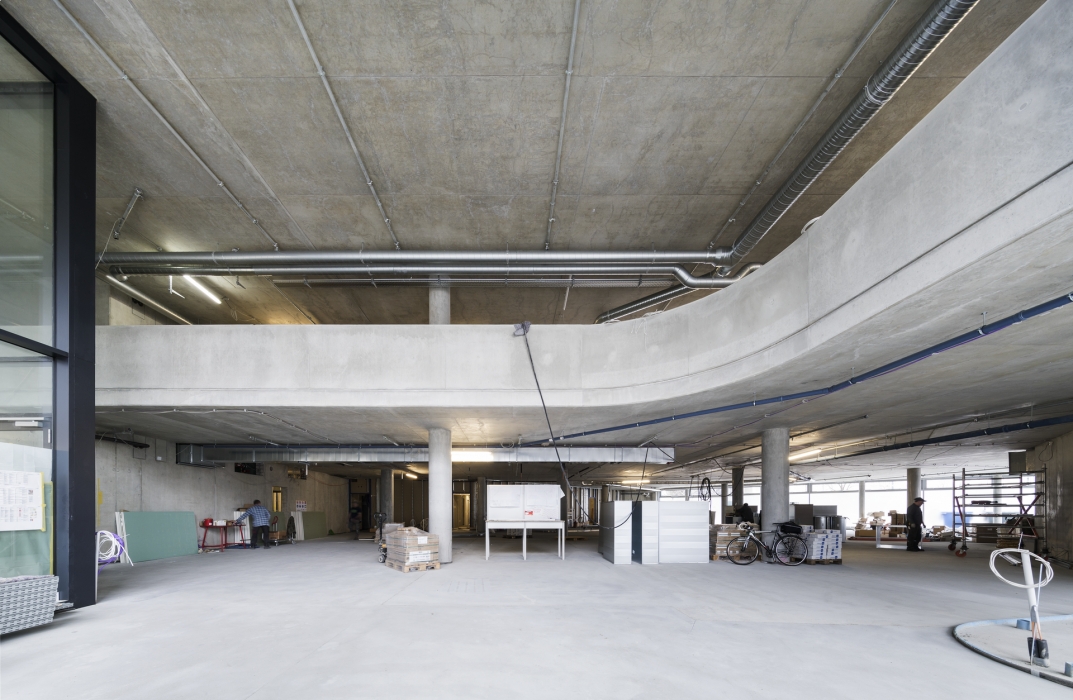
415,566
823,561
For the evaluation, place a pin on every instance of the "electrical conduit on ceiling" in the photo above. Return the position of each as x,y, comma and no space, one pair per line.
894,366
562,127
936,24
163,120
342,122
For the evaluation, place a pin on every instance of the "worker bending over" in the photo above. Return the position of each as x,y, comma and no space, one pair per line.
259,518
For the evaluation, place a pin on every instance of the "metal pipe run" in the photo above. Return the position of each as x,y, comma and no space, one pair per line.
365,257
678,272
929,32
664,296
552,282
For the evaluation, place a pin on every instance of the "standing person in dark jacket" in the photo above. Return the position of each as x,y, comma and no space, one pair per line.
745,513
914,519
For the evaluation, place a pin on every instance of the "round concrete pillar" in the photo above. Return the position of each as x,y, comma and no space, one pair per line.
439,306
738,476
912,478
775,476
860,499
387,494
440,498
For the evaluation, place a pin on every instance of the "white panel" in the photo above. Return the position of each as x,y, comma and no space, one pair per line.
542,501
683,532
505,501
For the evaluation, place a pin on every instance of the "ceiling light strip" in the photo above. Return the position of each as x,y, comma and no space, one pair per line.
163,120
342,122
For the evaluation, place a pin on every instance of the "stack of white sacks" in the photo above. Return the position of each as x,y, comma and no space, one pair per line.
823,544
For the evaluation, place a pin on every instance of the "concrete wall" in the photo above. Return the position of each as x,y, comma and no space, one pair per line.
1057,457
125,482
114,308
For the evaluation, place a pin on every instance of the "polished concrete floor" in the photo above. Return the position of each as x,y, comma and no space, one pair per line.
322,619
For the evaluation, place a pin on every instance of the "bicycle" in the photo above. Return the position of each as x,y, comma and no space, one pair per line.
787,548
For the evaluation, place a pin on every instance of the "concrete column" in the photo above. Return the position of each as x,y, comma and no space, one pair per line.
912,478
387,494
723,493
439,306
860,499
440,500
605,493
738,476
775,476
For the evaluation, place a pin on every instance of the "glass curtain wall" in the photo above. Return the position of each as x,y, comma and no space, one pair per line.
26,310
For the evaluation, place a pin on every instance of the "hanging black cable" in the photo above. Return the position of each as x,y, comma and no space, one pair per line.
706,489
522,329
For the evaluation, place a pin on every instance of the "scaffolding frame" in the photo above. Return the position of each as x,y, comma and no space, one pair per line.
978,503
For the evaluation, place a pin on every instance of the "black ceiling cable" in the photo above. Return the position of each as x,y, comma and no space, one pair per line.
522,329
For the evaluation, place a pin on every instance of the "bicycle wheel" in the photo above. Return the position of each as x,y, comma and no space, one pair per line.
791,550
742,550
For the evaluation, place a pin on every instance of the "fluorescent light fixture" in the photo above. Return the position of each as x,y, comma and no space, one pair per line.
636,482
806,453
202,288
410,476
472,456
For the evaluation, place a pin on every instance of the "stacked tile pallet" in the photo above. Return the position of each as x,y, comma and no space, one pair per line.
824,546
718,538
412,549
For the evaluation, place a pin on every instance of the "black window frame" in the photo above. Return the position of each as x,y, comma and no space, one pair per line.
73,348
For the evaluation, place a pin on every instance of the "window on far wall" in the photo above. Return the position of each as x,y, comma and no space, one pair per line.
277,499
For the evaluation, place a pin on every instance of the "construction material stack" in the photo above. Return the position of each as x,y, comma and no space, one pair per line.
719,536
824,546
412,549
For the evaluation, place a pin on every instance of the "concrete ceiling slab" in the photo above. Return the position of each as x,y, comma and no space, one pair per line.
675,110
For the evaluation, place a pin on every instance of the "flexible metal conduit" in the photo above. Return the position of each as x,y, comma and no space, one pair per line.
936,24
666,295
562,127
926,35
894,366
676,271
365,257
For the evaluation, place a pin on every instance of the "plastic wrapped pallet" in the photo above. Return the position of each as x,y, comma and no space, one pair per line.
412,549
824,545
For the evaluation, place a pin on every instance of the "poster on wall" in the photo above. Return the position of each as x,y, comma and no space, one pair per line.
22,501
300,506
